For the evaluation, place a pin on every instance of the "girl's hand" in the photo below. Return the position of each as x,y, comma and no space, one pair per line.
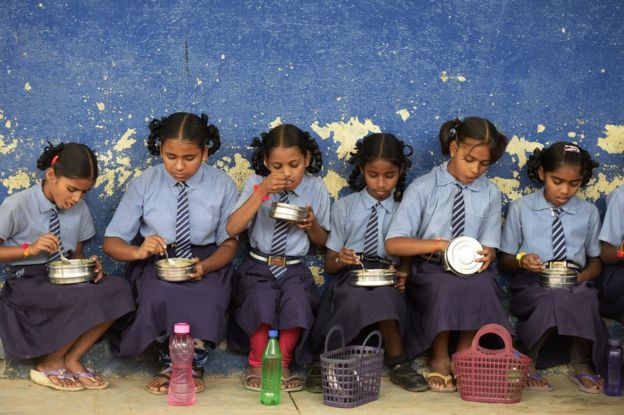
46,243
440,245
531,262
99,270
347,256
152,245
308,221
401,279
273,183
200,270
488,255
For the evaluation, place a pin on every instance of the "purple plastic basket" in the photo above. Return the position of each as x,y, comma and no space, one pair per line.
351,374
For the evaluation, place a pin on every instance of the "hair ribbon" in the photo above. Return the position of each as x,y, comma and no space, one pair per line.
54,159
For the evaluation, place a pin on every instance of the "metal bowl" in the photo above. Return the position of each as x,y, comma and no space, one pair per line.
176,272
373,277
72,272
558,278
461,256
284,211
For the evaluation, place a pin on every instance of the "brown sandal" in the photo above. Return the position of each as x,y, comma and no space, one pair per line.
164,374
198,374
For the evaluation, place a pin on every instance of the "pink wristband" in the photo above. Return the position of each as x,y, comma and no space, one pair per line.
263,196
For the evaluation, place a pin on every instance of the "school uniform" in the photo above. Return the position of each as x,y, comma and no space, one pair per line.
611,280
261,298
355,308
438,300
149,207
573,312
36,316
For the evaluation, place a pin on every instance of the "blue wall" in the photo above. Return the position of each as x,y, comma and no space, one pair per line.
97,71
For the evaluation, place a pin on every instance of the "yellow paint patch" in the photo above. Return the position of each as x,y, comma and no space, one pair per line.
613,141
27,87
275,122
199,81
1,115
239,172
100,106
6,148
461,78
126,141
571,134
444,76
541,128
20,180
601,186
317,274
509,187
7,124
334,183
345,133
404,114
519,147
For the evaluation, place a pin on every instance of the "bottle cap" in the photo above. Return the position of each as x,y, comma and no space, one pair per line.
615,342
273,333
182,328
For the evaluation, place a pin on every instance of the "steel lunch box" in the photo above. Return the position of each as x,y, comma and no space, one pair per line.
176,272
373,277
74,272
558,278
285,211
461,256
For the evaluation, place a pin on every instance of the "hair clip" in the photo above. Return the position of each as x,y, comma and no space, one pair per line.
54,159
571,147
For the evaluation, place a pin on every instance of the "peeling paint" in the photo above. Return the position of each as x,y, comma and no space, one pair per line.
100,106
404,114
198,81
461,78
334,183
27,87
23,179
345,133
601,186
509,187
541,128
239,171
126,141
519,147
317,274
613,141
443,76
571,134
276,122
7,124
6,148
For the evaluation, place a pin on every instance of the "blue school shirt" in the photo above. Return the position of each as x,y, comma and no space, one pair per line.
25,216
311,191
612,230
149,206
528,228
427,206
349,218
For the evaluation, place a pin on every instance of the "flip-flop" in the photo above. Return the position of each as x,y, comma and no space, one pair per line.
41,378
537,377
314,379
447,379
247,376
199,375
292,388
90,374
577,380
165,374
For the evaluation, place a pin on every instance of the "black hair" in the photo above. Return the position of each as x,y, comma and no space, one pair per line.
285,135
380,146
183,126
560,154
475,128
71,160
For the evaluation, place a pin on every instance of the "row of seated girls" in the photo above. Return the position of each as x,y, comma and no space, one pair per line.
184,207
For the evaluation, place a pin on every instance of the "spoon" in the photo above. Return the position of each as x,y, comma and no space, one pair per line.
362,263
169,260
63,258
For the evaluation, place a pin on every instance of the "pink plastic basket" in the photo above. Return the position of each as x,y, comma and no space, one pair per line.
486,375
351,374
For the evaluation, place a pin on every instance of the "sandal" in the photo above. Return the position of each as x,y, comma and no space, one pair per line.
293,379
409,379
537,377
577,379
41,378
314,379
446,387
164,374
247,376
198,375
90,374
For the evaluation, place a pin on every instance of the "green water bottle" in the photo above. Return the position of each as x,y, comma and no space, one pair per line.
270,394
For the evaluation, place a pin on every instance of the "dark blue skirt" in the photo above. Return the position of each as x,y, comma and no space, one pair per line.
441,301
285,303
355,308
160,304
573,312
37,317
611,291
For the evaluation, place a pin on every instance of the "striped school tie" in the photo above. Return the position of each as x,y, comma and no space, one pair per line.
458,217
372,230
558,237
278,245
183,225
55,229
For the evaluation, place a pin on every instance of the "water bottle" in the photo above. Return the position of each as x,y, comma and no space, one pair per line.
613,381
271,371
181,349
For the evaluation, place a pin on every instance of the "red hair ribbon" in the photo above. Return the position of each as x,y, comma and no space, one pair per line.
54,159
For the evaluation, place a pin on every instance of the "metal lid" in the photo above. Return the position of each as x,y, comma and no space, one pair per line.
461,255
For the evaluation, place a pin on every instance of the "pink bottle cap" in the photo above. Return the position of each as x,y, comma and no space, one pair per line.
181,328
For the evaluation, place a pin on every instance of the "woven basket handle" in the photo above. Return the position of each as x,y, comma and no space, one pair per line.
334,329
497,329
370,336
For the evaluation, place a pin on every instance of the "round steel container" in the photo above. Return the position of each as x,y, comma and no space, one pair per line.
76,271
284,211
176,272
373,277
461,255
558,278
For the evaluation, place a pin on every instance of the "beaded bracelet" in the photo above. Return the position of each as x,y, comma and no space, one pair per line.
25,248
262,195
620,251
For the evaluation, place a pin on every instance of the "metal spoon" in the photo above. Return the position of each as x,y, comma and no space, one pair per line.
362,263
63,259
169,260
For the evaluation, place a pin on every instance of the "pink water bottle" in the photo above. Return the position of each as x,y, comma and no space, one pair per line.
181,349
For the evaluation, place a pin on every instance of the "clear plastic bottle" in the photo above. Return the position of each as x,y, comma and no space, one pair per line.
181,349
613,381
270,393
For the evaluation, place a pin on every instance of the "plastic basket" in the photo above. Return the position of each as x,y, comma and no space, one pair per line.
486,375
351,374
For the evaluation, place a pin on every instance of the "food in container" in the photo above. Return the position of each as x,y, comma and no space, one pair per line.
71,271
461,256
285,211
373,277
174,269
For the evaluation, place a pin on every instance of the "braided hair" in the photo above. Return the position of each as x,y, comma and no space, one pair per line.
71,160
380,146
560,154
183,126
285,135
474,128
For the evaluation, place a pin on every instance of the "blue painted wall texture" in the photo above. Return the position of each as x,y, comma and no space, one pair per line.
96,71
